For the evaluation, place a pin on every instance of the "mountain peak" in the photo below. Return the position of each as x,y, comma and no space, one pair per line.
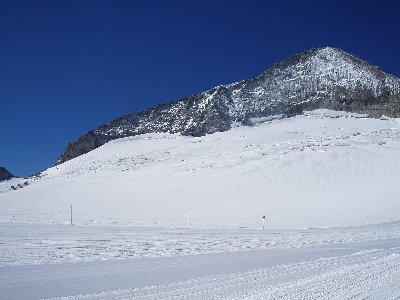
5,174
324,77
328,50
336,54
333,55
324,57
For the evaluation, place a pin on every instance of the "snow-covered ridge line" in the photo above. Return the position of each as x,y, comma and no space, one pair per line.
318,78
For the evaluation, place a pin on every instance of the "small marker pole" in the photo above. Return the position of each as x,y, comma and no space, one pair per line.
188,219
263,222
71,214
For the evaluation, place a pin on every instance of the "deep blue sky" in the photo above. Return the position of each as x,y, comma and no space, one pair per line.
68,66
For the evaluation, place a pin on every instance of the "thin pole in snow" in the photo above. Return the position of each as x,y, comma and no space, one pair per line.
263,222
71,214
188,219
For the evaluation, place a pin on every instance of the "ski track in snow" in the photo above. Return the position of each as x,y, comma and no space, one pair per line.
373,274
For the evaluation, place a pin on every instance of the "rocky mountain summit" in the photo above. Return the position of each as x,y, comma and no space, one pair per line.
5,174
318,78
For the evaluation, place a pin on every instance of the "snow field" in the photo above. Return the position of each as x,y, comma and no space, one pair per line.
27,244
373,274
320,169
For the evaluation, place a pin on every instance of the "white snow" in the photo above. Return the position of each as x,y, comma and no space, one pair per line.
255,121
27,244
321,169
362,275
357,270
306,174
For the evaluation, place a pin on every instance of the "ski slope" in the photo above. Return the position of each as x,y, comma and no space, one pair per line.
320,169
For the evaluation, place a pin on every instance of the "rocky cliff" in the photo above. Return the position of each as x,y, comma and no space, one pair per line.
4,174
318,78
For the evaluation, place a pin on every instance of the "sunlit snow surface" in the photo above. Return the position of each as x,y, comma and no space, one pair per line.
364,275
26,244
326,181
320,169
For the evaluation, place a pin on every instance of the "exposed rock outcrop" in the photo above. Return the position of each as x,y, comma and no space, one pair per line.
318,78
5,174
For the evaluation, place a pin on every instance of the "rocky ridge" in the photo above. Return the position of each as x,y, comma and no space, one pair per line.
318,78
5,174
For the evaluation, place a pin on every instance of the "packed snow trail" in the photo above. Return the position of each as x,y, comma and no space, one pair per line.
342,270
373,274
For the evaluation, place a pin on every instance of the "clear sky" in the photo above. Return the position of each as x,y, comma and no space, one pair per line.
67,67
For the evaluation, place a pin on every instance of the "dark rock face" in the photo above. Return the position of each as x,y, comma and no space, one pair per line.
4,174
318,78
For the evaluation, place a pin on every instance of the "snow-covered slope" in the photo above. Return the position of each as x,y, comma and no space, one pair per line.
322,168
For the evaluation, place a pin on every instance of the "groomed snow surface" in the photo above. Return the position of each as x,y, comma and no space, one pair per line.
186,216
47,261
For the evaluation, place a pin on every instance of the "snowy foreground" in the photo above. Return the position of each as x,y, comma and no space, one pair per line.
163,216
92,262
